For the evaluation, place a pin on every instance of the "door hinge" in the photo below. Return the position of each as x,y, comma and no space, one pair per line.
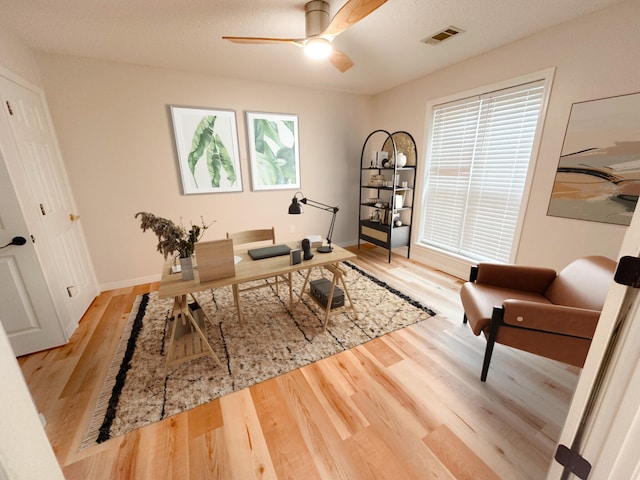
9,108
628,272
572,462
42,209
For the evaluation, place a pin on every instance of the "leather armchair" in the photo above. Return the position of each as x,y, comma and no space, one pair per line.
536,309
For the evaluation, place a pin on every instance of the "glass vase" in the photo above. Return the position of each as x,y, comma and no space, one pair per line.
186,265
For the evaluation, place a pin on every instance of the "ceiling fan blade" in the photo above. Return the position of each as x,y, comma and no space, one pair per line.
256,40
340,60
351,12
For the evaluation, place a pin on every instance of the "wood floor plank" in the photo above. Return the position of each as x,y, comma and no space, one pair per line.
383,353
401,432
205,418
344,415
457,457
94,356
321,438
400,422
209,456
163,450
373,457
248,451
99,466
462,406
281,432
408,405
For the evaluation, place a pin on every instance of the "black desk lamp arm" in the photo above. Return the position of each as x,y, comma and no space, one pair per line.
326,208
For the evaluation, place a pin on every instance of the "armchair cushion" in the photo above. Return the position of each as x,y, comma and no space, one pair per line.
479,299
577,322
563,348
516,277
583,283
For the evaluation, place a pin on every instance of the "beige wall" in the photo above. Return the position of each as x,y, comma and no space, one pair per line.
18,59
115,133
595,57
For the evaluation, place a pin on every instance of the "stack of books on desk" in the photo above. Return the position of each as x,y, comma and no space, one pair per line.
314,240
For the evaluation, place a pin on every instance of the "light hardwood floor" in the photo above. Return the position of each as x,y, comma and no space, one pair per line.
409,405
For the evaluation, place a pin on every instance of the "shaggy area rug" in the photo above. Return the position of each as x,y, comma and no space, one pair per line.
271,340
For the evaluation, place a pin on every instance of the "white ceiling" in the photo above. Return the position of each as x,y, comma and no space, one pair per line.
185,35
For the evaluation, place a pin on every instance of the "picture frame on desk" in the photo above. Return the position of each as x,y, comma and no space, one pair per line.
295,256
207,148
274,154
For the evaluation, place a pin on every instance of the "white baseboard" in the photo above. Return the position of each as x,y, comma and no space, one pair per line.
132,282
458,267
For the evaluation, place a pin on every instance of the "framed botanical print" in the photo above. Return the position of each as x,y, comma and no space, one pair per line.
207,146
274,155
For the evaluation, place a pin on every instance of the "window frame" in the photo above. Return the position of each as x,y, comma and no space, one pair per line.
449,262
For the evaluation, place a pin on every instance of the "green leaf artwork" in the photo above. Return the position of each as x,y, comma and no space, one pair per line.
274,149
208,144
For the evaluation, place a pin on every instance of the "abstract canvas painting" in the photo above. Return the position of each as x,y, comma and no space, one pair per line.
598,176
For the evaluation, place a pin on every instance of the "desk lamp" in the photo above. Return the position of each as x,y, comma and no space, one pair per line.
296,209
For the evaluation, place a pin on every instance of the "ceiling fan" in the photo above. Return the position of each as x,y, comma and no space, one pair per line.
320,32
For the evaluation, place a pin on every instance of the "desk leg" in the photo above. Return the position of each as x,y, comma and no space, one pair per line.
290,292
338,276
346,292
181,312
327,312
304,285
175,314
207,317
236,300
204,338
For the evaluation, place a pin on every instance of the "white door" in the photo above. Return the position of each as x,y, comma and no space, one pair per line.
38,177
28,314
605,411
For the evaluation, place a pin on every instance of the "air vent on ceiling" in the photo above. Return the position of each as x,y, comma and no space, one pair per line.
442,35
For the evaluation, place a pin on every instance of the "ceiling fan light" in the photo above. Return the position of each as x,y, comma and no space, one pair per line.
317,48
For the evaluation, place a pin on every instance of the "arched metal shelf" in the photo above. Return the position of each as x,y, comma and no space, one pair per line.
379,203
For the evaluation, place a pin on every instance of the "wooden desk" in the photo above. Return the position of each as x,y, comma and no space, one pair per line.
172,285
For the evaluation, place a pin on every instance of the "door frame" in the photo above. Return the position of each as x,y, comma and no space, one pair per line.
612,429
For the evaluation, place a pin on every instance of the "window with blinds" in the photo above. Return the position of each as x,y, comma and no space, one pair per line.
479,157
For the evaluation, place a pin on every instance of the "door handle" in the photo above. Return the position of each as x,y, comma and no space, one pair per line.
73,217
16,241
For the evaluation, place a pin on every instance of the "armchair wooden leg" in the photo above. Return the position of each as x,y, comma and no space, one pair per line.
487,359
496,320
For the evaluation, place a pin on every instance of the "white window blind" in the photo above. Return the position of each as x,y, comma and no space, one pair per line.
479,158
